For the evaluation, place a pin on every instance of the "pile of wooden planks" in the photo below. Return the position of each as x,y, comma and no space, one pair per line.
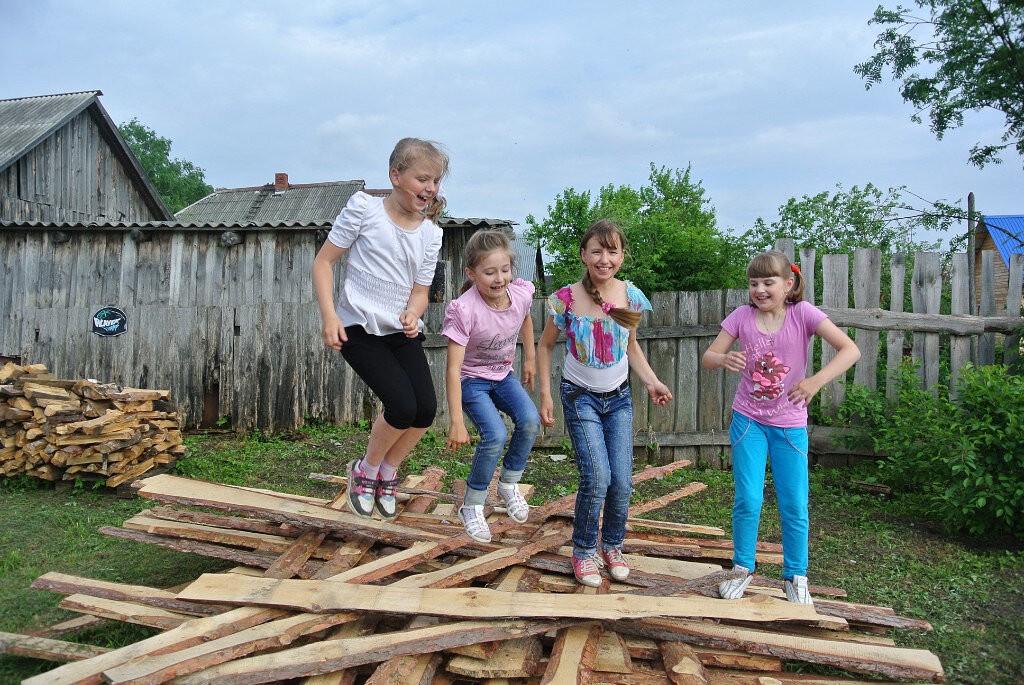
324,596
65,429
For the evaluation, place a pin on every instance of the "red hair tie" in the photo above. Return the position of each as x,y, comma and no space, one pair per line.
794,268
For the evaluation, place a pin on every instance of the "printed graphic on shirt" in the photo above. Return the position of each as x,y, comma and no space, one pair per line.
768,375
494,353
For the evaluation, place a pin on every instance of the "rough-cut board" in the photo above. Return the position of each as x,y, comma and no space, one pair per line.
333,655
513,659
895,662
14,644
127,612
326,596
176,490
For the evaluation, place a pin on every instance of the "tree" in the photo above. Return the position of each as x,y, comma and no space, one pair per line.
179,181
976,62
670,226
840,221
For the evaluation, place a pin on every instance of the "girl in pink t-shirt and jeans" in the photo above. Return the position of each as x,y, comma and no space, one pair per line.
770,410
482,327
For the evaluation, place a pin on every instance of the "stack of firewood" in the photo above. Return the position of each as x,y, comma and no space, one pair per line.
58,429
325,596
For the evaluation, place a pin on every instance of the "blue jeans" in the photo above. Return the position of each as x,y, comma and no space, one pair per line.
601,429
751,443
482,399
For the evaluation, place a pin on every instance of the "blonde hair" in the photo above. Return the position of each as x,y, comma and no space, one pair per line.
408,151
608,235
481,244
776,264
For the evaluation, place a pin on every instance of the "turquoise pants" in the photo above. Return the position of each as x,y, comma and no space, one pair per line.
752,442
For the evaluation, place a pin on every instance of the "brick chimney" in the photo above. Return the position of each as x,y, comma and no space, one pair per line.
280,183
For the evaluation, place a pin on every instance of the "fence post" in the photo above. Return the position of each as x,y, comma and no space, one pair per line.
1011,346
987,307
894,338
807,264
926,293
867,275
788,247
835,294
959,345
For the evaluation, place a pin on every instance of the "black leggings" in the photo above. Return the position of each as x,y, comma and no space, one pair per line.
395,368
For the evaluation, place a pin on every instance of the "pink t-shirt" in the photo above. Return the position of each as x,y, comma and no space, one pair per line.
489,335
775,363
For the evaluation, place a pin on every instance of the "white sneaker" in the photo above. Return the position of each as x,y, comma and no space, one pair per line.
734,589
797,592
516,506
475,523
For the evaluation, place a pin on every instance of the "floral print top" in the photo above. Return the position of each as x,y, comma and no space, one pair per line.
597,342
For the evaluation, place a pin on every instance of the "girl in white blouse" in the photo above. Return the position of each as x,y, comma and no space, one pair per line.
392,246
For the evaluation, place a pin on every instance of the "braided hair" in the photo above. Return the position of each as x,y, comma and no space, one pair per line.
610,236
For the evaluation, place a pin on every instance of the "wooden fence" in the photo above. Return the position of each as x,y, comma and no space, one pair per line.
233,329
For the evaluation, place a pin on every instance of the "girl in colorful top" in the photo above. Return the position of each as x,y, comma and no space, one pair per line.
599,315
770,410
392,246
482,327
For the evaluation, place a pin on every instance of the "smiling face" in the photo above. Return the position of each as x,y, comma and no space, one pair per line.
491,276
769,293
416,185
602,261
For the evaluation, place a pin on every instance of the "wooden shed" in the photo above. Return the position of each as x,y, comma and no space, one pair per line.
63,159
1003,236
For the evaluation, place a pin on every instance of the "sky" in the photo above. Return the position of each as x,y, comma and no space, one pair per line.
759,99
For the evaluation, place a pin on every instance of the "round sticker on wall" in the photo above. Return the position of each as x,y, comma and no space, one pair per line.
109,321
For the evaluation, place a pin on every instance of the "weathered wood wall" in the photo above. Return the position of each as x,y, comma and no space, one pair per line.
72,175
237,329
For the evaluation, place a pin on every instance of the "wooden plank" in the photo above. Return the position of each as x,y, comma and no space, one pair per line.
633,523
517,658
71,585
643,507
333,655
13,644
194,632
682,665
612,654
894,662
572,656
326,596
1014,305
126,612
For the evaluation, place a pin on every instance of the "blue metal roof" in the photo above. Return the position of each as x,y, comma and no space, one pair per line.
1007,233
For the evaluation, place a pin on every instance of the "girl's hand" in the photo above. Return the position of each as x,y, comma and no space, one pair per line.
659,392
410,323
457,436
547,411
333,333
734,360
529,372
803,392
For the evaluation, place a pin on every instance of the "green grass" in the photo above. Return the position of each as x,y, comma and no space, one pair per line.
876,548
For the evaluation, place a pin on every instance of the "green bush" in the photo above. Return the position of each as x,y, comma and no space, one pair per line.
964,455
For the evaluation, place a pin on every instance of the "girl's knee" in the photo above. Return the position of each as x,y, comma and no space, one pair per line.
493,436
529,425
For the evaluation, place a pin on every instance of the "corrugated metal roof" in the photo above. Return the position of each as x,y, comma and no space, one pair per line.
1009,240
24,122
162,225
318,202
472,222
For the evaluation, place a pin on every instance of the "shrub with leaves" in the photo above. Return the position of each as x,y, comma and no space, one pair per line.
964,454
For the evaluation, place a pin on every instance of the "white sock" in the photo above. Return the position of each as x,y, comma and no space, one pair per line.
368,469
387,471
